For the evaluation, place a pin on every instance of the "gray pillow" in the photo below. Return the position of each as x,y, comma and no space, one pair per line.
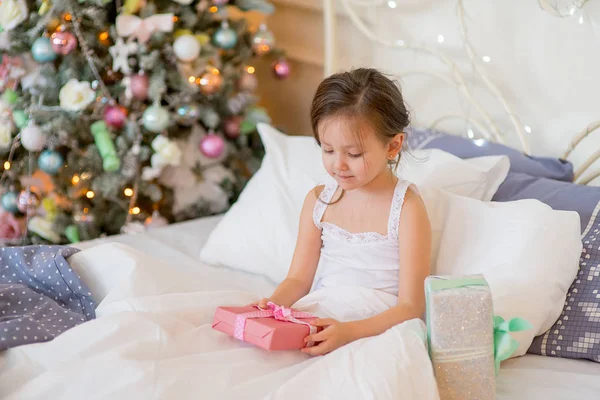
546,167
576,333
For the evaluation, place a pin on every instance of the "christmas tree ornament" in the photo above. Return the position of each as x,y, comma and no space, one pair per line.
106,146
155,221
72,233
28,201
50,208
142,29
186,48
20,118
187,114
10,201
139,86
120,53
231,127
212,145
155,118
10,97
43,228
63,42
115,116
12,13
50,162
225,37
248,81
220,3
32,137
42,51
210,82
76,96
281,69
263,40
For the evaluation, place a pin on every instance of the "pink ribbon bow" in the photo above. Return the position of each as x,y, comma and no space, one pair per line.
280,313
143,28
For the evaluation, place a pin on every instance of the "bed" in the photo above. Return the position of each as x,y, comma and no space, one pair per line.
530,377
153,338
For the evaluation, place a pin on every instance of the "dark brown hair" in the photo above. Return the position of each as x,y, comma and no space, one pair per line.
365,93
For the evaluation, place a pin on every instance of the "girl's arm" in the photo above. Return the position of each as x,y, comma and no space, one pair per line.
302,270
415,255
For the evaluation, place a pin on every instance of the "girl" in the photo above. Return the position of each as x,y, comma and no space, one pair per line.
365,228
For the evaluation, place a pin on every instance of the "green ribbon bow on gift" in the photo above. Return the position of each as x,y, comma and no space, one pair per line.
504,344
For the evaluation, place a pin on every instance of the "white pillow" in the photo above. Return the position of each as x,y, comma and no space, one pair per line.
527,252
258,233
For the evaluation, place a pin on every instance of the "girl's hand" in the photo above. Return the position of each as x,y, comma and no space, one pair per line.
262,304
335,334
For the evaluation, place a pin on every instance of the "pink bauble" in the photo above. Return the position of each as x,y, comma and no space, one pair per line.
139,86
212,146
28,201
281,69
115,116
63,42
231,127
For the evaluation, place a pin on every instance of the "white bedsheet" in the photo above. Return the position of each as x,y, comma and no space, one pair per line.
153,340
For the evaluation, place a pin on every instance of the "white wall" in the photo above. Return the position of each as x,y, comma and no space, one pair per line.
548,68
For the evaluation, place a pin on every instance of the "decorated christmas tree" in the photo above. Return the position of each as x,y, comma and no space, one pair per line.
120,117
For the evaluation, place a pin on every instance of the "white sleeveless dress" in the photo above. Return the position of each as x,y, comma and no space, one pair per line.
366,259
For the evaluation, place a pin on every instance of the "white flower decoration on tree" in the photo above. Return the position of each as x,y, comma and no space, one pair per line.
12,13
120,51
75,95
166,152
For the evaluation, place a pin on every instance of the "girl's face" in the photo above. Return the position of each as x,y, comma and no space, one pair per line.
352,153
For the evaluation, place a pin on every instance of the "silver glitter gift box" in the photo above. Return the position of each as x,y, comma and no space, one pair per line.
460,330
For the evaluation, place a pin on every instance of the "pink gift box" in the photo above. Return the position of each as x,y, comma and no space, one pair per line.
268,333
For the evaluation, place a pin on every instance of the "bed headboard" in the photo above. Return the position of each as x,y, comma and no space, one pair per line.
521,72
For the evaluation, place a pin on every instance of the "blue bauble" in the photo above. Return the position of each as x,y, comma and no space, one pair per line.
10,201
42,50
225,38
155,118
50,162
187,114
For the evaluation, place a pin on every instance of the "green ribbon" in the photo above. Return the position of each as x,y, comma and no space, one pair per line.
504,344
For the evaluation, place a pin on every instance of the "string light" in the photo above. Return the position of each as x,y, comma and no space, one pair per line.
6,165
75,179
391,4
527,128
135,210
486,59
213,9
440,39
89,194
250,69
192,79
128,192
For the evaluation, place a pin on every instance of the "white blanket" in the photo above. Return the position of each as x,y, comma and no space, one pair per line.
153,340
